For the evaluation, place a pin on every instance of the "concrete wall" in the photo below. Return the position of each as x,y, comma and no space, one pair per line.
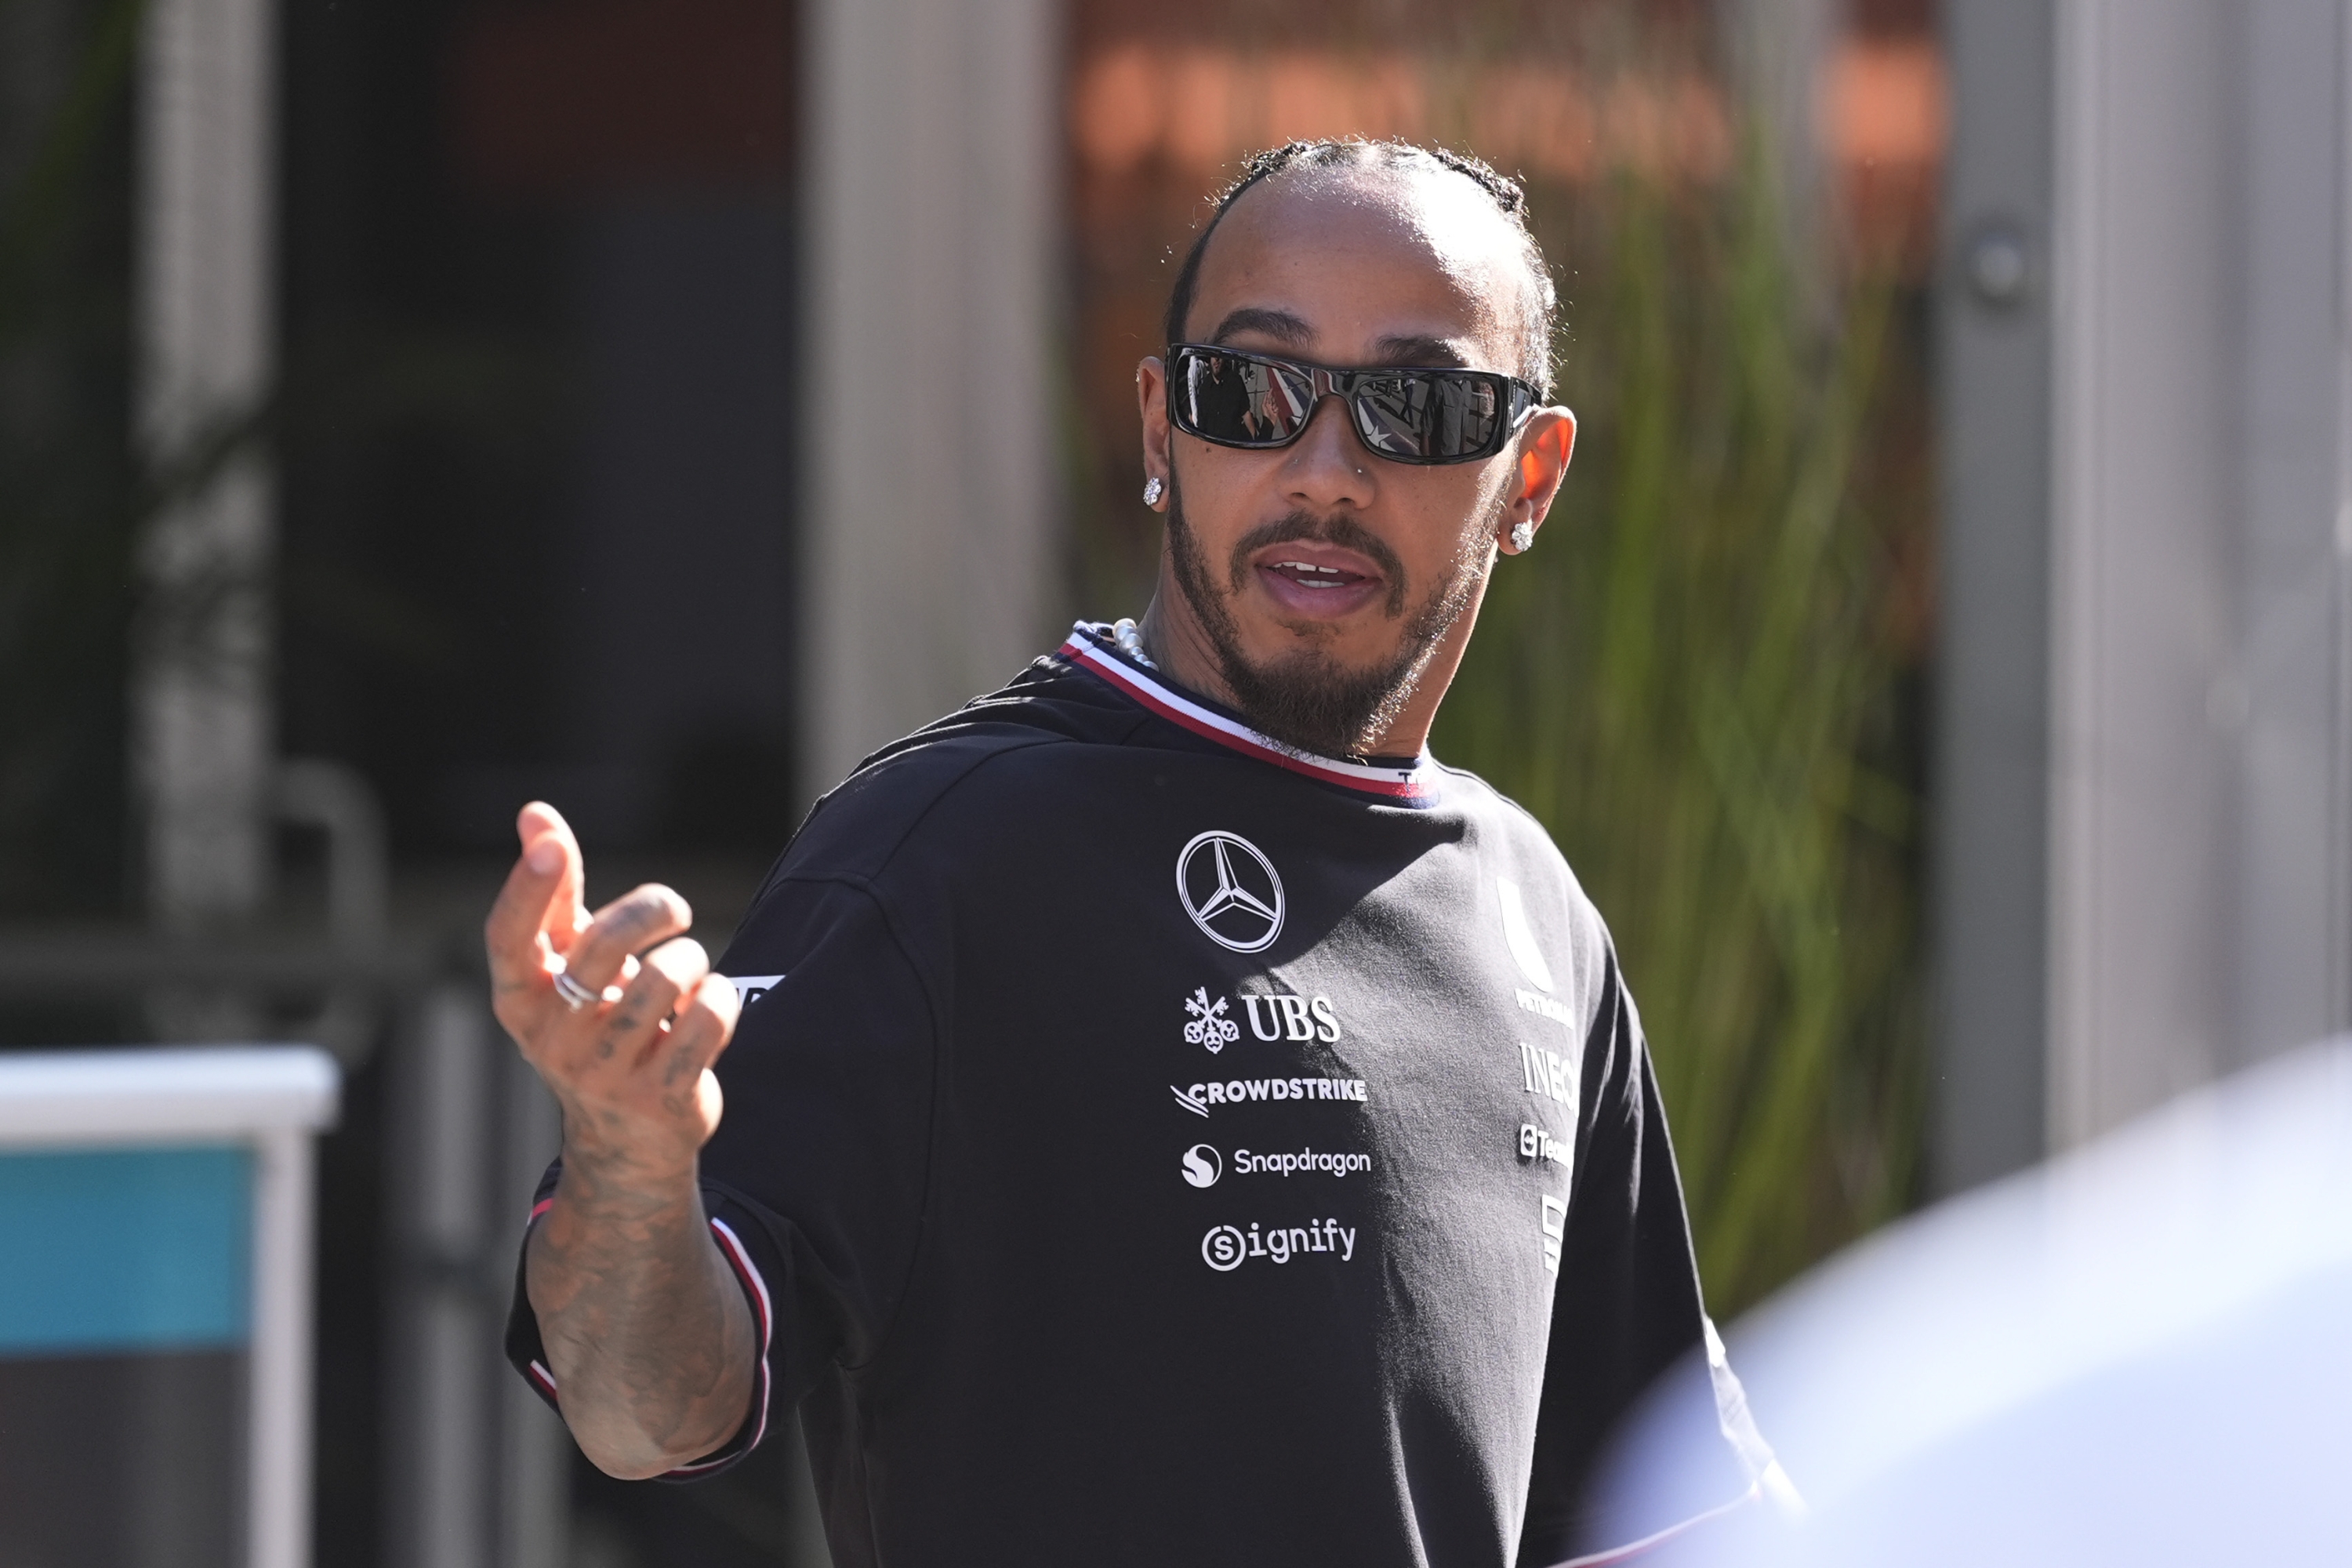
930,409
2198,808
2150,653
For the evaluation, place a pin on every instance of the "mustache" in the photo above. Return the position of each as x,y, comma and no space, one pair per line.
1338,529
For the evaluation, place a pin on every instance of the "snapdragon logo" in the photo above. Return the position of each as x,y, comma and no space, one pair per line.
1201,1166
1306,1161
1226,1248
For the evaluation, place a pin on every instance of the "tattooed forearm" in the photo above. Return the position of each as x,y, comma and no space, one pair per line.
647,1331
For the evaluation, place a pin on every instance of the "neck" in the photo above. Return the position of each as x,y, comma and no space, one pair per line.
1181,645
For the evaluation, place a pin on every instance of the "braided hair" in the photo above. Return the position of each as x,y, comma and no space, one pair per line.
1542,301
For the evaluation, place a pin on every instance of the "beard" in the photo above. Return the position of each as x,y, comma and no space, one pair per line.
1305,700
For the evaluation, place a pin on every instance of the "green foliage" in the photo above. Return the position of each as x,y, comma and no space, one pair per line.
1697,682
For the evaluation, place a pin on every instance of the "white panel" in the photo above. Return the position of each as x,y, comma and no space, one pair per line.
930,410
2339,846
2200,800
2290,937
116,1098
2145,695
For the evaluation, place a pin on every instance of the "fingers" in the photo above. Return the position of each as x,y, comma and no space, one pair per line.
540,899
656,1046
629,924
670,974
705,1023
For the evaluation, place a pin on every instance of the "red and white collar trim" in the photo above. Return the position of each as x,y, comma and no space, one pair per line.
1410,787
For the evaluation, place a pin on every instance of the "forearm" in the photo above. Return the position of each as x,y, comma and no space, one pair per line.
647,1331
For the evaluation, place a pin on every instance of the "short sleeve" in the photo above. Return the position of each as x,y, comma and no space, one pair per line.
1627,1309
815,1180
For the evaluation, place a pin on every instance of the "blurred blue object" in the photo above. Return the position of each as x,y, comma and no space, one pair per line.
124,1249
2134,1354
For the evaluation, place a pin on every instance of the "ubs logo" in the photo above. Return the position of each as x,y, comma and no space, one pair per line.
1231,891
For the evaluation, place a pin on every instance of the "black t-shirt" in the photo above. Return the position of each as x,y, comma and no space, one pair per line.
1144,1144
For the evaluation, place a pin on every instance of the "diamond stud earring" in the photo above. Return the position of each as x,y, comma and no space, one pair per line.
1151,491
1523,536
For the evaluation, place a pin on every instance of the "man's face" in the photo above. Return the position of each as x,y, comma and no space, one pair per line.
1326,580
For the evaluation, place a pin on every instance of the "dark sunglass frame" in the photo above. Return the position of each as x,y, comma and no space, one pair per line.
1306,385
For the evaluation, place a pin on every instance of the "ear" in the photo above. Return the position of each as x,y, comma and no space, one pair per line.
1151,400
1545,445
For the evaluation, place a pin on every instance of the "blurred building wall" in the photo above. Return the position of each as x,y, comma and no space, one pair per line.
200,712
2171,332
930,413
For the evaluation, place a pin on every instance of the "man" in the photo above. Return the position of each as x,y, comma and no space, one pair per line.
1170,1119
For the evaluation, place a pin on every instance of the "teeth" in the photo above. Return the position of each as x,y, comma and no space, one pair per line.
1307,574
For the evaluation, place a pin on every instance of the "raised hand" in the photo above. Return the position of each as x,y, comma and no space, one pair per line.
645,1329
628,1054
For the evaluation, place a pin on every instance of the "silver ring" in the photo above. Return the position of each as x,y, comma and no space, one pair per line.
575,995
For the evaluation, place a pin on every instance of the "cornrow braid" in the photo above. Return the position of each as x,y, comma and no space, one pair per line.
1542,308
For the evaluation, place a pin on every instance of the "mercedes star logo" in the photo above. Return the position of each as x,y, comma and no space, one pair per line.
1231,891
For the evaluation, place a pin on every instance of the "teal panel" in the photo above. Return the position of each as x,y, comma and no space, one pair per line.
126,1249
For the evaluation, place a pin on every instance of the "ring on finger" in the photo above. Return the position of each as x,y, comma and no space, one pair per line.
575,995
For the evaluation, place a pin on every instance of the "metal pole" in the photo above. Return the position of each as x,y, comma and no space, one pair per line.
1991,854
444,1338
535,1452
278,1361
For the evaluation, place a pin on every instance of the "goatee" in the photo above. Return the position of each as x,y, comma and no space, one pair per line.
1306,700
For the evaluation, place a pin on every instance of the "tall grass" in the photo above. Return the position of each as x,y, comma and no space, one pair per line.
1699,683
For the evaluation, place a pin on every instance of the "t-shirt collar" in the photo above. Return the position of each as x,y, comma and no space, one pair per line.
1408,782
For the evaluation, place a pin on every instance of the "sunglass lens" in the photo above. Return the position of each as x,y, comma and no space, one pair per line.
1241,402
1428,418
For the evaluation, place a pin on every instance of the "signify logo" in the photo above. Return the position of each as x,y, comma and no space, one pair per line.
1240,1090
1226,1248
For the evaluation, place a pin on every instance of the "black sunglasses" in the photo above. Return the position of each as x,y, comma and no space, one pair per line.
1406,414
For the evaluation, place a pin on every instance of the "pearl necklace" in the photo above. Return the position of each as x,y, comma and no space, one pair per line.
1130,642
